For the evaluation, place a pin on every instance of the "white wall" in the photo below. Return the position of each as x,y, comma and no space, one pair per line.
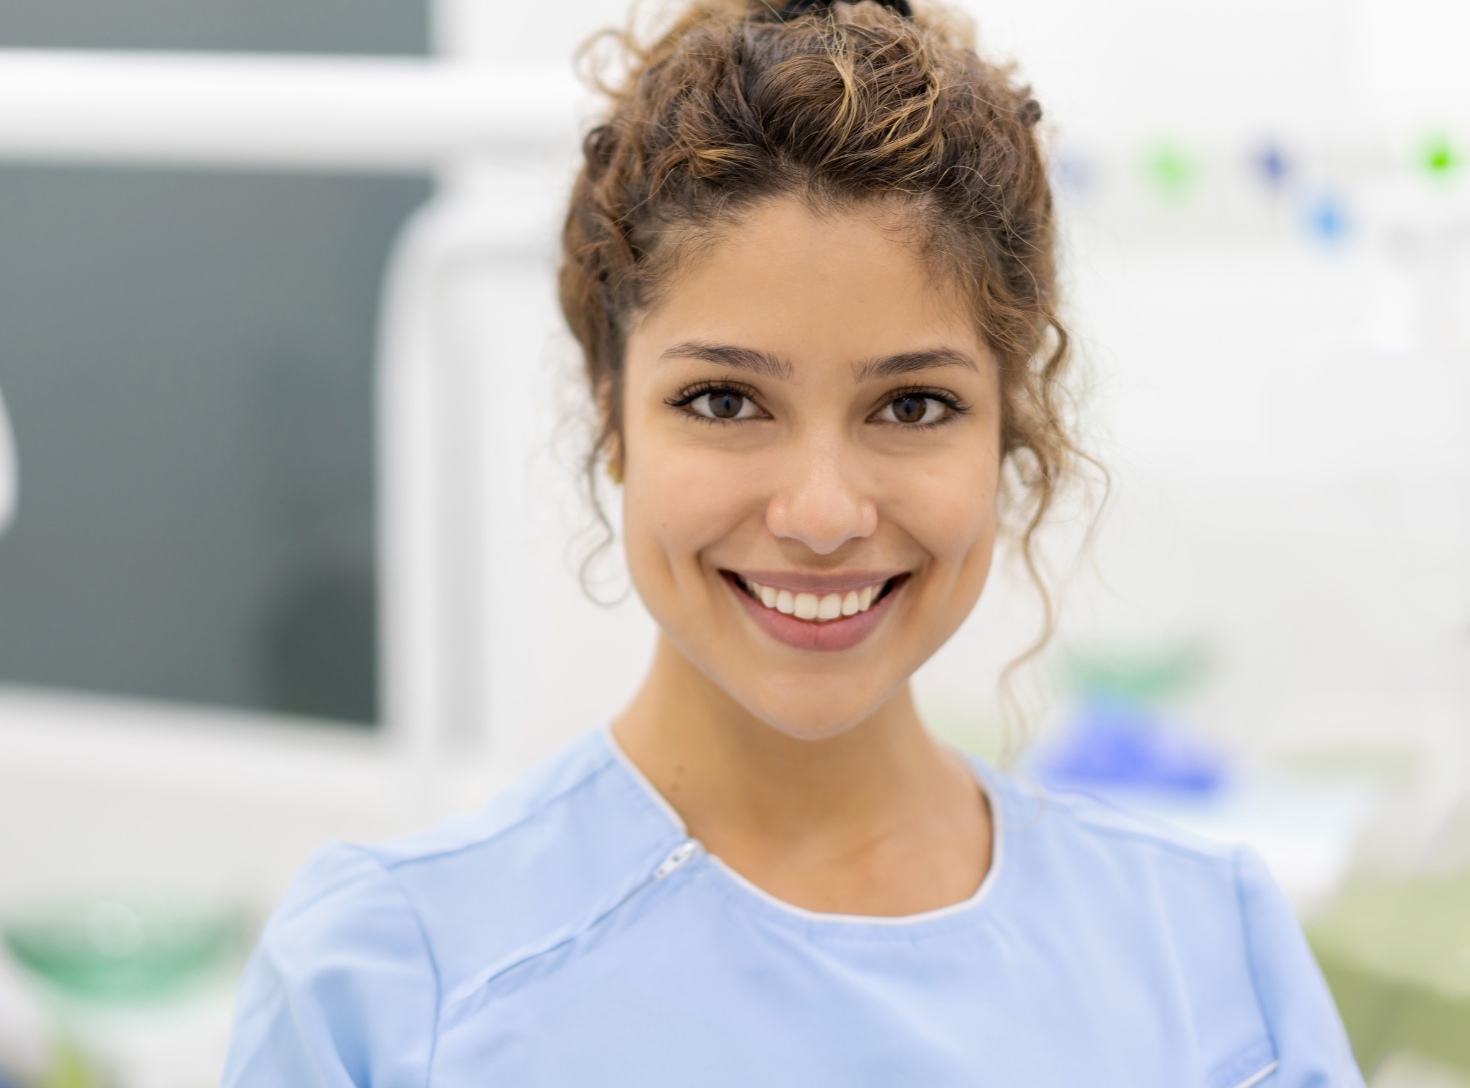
1289,447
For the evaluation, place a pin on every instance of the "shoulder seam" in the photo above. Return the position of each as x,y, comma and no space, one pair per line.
428,950
597,767
1245,932
1221,855
557,941
1164,843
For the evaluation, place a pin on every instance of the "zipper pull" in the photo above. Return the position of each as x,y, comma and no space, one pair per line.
677,857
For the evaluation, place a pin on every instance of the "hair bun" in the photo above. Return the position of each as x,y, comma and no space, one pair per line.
795,8
598,149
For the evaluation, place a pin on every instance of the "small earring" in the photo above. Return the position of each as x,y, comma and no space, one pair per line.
614,473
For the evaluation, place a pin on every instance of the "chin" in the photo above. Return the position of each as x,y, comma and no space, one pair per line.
812,716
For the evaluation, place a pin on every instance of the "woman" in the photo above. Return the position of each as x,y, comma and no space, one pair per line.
809,262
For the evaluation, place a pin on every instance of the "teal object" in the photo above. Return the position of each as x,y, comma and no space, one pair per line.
121,951
1138,675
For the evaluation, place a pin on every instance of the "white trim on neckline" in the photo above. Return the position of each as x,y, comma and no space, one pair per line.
997,854
642,781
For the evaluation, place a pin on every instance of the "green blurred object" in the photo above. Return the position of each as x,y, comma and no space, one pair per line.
1440,157
1397,958
1173,169
1146,675
119,951
71,1070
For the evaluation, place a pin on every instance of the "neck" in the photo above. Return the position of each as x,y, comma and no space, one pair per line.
733,778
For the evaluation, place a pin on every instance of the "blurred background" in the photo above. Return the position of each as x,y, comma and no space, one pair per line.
298,525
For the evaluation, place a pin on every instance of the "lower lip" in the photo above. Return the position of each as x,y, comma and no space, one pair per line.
842,634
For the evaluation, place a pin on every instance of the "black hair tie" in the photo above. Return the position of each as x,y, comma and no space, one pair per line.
795,8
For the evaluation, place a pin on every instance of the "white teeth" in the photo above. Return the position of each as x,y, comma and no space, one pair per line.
809,606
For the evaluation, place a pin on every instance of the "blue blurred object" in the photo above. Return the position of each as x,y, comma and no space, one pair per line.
1327,218
1072,174
1126,745
1272,164
1121,734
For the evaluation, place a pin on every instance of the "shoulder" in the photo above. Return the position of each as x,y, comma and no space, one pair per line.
1135,890
539,864
1206,915
1079,837
342,987
354,970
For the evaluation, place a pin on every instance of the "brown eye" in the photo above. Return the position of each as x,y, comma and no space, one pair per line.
914,408
725,405
909,409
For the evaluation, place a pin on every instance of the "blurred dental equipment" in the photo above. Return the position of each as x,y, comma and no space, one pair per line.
9,477
124,992
1122,734
1128,736
24,1031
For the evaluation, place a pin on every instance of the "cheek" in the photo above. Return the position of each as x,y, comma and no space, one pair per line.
949,506
678,501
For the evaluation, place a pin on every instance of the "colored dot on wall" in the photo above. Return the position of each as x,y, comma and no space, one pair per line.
1327,219
1072,175
1440,157
1172,169
1272,165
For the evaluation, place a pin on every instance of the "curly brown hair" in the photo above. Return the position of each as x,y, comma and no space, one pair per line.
836,104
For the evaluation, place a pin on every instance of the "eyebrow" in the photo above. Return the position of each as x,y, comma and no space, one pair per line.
752,359
892,366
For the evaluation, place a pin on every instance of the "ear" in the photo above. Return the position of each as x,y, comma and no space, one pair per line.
609,426
614,460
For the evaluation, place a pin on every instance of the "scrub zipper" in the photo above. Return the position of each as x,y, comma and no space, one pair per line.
677,857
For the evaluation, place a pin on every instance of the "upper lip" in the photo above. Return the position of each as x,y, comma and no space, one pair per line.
810,582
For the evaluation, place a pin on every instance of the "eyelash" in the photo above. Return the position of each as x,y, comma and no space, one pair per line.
956,406
687,396
690,394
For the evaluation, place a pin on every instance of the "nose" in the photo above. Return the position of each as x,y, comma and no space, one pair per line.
821,506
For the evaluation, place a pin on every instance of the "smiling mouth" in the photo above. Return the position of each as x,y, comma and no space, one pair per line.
817,608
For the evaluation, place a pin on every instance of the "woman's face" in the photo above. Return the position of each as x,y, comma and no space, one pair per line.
811,452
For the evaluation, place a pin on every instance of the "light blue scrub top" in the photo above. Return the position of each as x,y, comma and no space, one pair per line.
573,935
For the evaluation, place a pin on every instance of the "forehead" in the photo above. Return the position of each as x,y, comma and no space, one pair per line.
811,286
